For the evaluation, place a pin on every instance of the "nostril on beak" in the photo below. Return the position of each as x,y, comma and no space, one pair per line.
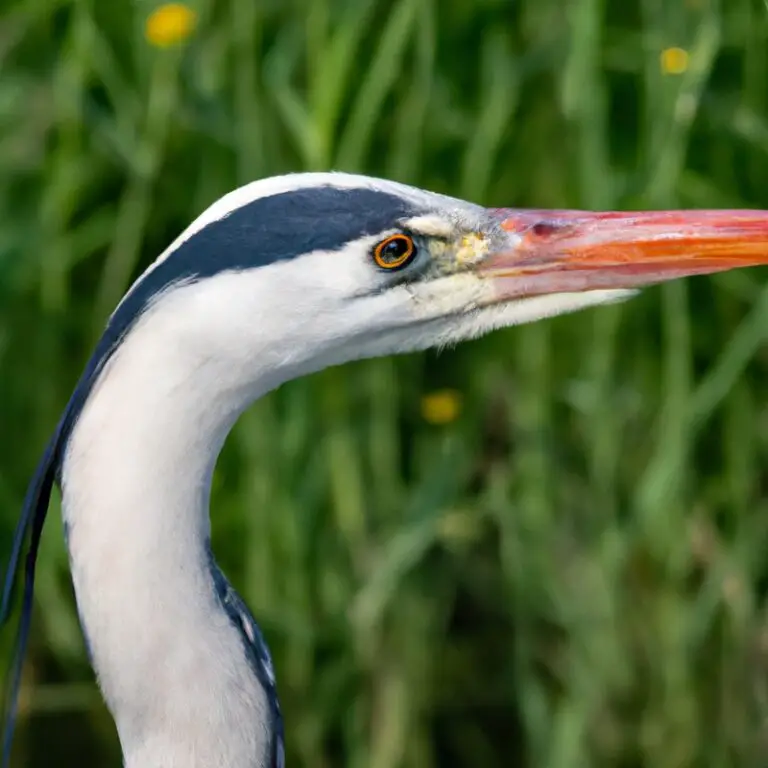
549,228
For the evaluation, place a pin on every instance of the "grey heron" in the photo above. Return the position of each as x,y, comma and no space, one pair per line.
285,276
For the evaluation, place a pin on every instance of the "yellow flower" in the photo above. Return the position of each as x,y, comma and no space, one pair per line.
441,407
170,24
674,61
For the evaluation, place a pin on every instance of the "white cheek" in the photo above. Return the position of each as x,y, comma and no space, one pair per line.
450,295
332,278
335,274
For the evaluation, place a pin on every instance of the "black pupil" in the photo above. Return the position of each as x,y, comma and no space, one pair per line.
395,249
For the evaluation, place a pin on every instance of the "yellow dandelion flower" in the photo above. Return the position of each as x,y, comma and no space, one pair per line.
441,407
674,61
170,24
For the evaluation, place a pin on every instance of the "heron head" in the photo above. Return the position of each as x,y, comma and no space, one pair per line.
308,270
295,273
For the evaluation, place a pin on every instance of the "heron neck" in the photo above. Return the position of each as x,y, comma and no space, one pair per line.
136,480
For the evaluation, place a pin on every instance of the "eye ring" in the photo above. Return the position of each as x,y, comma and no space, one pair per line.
394,252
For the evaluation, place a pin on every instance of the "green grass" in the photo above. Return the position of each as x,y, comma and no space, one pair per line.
573,573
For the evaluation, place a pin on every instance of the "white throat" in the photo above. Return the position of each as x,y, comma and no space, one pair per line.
136,476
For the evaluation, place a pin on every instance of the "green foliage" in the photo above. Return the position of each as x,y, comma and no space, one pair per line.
573,572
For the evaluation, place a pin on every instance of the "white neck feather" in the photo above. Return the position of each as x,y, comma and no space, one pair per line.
135,485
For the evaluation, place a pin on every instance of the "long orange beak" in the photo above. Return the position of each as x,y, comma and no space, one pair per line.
566,251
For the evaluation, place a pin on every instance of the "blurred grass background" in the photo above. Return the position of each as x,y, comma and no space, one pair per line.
546,548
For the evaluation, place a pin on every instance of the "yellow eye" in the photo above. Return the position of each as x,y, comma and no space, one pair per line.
394,252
